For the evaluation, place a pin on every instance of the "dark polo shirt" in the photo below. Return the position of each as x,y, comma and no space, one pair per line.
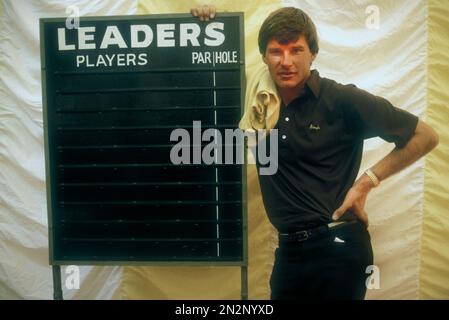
320,139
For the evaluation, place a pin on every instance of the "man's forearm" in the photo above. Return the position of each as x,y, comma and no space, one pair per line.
424,140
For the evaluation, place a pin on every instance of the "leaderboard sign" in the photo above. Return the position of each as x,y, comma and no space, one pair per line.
115,89
140,43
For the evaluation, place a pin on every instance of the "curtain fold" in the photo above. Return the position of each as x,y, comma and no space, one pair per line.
434,275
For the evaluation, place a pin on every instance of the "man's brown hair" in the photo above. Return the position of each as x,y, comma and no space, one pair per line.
286,25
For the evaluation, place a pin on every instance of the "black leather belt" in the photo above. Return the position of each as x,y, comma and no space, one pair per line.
304,235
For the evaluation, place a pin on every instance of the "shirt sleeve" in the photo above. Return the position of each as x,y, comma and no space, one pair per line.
373,116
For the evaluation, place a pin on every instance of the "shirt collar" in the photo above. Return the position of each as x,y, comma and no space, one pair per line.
313,83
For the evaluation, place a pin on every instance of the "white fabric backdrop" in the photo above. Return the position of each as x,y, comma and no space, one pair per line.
24,269
390,61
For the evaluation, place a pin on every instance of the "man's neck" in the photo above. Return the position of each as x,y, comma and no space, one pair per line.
288,95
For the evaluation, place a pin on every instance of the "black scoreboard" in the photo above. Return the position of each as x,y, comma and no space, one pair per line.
136,111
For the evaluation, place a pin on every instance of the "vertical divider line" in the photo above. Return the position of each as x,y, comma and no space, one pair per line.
216,162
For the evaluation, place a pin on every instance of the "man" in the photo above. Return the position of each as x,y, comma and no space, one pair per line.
321,128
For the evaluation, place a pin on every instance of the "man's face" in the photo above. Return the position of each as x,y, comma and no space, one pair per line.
289,64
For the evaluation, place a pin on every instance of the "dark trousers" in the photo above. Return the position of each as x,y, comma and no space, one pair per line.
323,267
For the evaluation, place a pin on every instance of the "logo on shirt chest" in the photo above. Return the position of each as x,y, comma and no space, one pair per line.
314,127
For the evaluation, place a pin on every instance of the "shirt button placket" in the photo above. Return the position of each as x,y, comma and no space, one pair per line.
285,127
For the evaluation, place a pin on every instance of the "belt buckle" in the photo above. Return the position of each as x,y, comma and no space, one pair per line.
301,235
